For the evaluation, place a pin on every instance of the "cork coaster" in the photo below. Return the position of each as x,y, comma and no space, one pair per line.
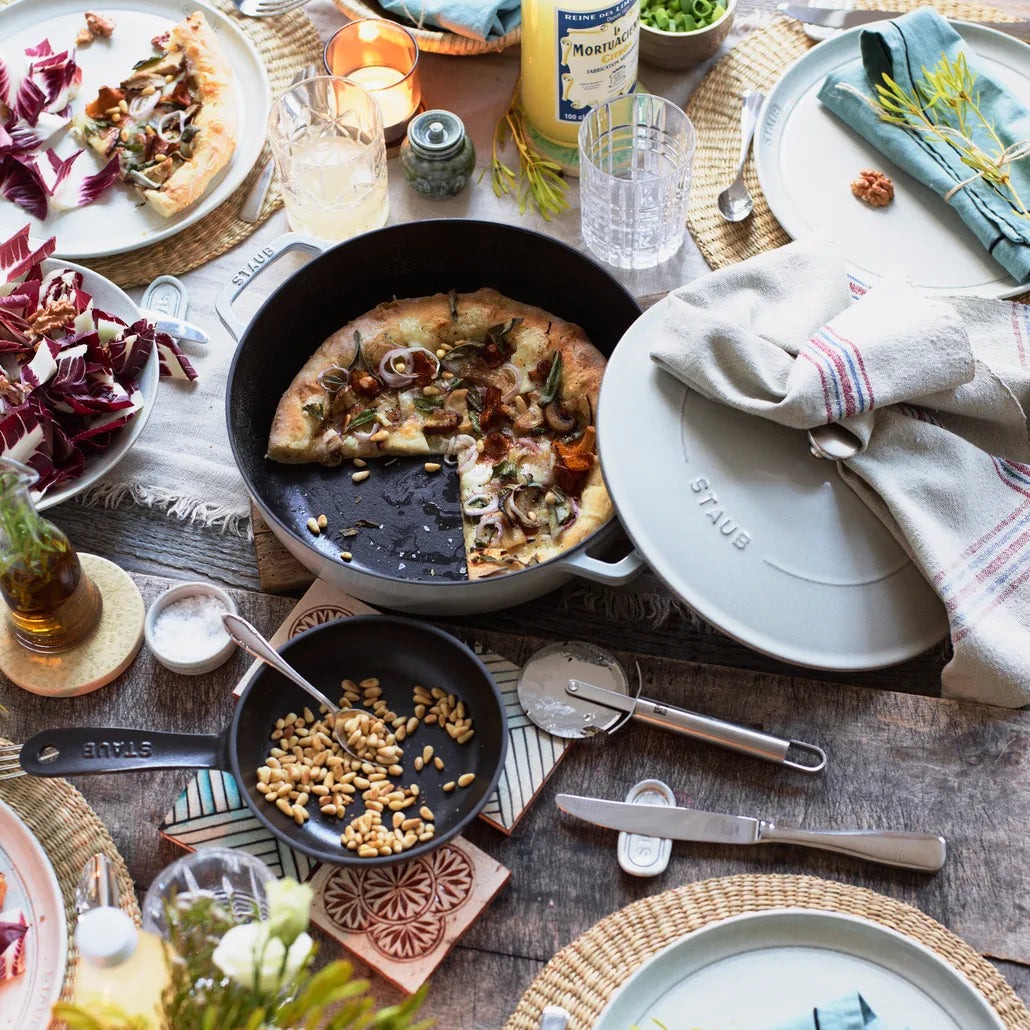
103,656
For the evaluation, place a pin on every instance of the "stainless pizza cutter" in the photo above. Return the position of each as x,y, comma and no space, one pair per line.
574,689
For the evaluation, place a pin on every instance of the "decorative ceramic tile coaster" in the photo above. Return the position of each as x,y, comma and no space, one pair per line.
403,919
532,754
211,813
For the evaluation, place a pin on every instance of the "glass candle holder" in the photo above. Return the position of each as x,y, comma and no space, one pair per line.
326,136
381,56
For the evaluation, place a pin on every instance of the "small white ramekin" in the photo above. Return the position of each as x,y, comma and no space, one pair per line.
177,593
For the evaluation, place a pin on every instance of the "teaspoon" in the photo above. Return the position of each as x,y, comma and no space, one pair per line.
247,637
735,202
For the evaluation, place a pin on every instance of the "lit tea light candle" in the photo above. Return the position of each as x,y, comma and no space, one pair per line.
382,56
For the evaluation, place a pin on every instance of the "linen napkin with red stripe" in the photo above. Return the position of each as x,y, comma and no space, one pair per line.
937,391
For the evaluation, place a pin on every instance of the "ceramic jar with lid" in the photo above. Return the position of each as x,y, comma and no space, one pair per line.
437,156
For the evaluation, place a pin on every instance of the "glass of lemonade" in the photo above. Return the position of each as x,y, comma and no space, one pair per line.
326,136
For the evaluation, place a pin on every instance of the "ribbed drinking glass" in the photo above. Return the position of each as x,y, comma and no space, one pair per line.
635,158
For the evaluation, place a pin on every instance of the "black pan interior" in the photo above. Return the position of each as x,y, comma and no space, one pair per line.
401,653
420,538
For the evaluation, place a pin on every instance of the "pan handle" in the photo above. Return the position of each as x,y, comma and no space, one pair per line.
81,751
613,574
260,262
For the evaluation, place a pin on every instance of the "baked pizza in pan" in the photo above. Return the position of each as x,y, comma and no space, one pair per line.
172,120
504,391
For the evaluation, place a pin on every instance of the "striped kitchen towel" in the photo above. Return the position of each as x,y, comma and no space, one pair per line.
936,389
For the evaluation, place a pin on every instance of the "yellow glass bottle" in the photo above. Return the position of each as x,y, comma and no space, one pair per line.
120,966
575,54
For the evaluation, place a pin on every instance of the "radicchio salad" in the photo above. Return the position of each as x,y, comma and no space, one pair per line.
68,371
36,90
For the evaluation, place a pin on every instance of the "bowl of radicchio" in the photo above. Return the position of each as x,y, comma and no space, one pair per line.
79,368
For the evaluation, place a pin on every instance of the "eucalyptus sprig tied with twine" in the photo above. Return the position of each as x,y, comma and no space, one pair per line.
945,106
539,183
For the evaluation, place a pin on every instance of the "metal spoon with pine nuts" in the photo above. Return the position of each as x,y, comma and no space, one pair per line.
347,722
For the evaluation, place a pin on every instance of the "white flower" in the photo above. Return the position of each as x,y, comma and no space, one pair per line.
289,903
251,956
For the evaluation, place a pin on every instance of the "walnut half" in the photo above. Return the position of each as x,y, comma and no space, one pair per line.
873,187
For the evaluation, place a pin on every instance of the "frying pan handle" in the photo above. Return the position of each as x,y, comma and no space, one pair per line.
81,751
613,574
732,736
260,262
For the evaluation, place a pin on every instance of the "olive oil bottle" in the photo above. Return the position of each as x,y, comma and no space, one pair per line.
54,605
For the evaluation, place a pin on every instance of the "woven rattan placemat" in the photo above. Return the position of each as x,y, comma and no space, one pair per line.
70,833
285,44
434,41
585,974
758,62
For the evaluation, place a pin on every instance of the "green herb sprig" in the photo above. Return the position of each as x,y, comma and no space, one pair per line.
539,183
945,106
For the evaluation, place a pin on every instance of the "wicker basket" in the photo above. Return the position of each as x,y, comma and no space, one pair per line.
434,41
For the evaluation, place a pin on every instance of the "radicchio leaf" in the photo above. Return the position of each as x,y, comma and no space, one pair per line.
69,193
11,933
29,101
17,258
174,364
20,183
130,350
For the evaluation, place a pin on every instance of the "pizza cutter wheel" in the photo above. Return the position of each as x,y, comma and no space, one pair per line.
574,689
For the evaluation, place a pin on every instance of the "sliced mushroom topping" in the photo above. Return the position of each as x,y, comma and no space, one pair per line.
558,418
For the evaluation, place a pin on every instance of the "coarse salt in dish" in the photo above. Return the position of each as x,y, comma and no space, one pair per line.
184,628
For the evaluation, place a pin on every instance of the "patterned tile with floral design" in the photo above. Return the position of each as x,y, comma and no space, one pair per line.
403,919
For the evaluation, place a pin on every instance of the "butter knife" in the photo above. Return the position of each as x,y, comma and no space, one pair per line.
920,851
835,18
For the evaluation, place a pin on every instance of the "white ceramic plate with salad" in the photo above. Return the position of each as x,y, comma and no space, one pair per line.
806,158
32,891
793,960
67,437
117,221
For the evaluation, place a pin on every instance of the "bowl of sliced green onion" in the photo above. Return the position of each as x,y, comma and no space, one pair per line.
682,33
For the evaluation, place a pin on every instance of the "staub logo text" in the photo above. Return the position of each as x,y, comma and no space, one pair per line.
117,749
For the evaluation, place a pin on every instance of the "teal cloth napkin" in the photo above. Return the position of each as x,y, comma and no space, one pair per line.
901,48
848,1013
481,19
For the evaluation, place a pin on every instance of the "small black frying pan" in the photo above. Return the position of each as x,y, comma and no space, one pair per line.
400,652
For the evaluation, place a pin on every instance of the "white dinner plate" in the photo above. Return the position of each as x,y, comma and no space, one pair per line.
764,969
115,301
118,222
32,887
761,539
806,159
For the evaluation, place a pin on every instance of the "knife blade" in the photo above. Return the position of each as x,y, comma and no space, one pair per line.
177,327
670,823
922,851
835,18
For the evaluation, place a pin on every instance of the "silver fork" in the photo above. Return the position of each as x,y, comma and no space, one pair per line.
267,8
9,763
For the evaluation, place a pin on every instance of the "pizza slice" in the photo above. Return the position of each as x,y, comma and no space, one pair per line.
505,391
172,121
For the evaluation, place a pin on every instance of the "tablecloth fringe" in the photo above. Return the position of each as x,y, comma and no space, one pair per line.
172,503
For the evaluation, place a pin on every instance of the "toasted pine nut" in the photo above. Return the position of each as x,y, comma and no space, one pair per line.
449,786
322,521
465,779
360,477
418,764
464,738
313,526
426,813
432,466
438,762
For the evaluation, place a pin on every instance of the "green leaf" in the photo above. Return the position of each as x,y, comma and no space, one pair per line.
361,419
315,410
506,469
428,403
552,388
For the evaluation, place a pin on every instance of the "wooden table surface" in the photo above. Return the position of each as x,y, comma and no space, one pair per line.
553,894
